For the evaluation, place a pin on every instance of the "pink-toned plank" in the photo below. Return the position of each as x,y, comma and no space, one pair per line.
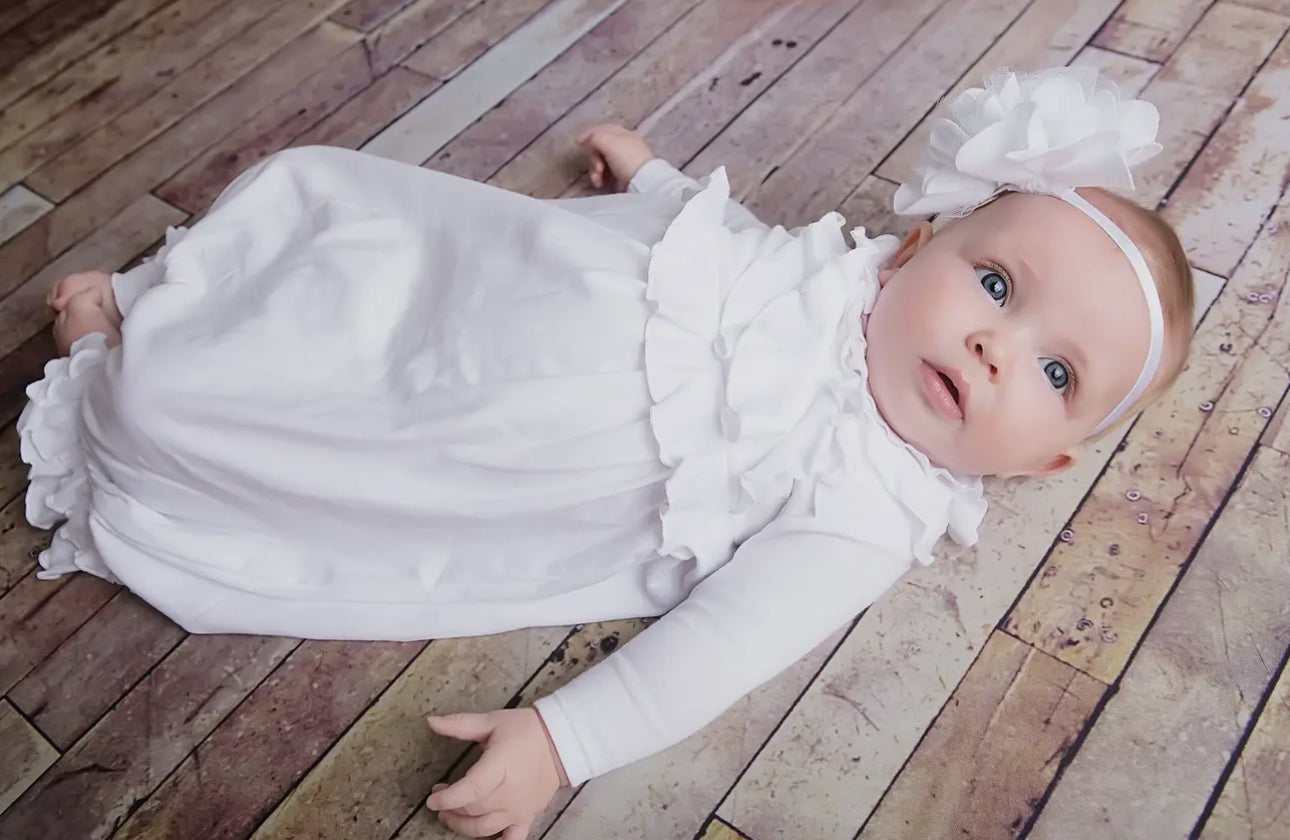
195,186
824,170
410,28
25,756
80,215
55,55
644,84
1151,29
388,98
36,616
24,313
869,207
366,15
275,40
95,785
1227,193
444,55
116,77
90,671
272,739
479,151
20,543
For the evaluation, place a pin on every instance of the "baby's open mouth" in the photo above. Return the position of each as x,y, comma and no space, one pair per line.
951,387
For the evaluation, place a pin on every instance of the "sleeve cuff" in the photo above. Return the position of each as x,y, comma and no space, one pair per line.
577,767
655,175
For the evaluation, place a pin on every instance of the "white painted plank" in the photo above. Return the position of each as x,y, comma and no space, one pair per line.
19,207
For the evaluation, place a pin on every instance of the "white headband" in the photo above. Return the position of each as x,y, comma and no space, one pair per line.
1045,133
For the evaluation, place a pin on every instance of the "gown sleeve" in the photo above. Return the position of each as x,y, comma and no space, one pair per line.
782,593
659,176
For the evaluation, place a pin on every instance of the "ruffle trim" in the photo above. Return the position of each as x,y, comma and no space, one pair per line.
759,380
49,432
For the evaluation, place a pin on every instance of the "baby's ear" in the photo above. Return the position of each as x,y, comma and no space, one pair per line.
914,242
1060,463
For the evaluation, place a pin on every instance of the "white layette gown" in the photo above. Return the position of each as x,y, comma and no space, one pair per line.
366,400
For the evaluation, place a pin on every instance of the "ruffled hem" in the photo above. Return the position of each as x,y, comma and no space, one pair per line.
754,356
49,431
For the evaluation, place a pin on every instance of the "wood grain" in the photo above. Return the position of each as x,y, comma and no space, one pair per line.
396,39
388,98
19,544
470,36
25,756
366,15
36,616
1147,768
19,207
1151,29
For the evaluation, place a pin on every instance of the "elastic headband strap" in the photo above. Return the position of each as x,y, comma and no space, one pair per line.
1154,310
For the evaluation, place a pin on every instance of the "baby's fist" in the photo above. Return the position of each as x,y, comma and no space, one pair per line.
614,155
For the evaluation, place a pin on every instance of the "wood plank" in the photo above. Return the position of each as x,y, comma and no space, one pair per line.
56,115
381,769
25,756
388,98
1092,603
1048,33
1131,74
24,313
93,787
16,12
992,751
19,207
275,42
195,186
441,116
870,206
36,616
19,369
20,544
1146,769
483,148
823,171
1222,201
54,56
13,472
366,15
709,34
470,36
1195,89
411,28
1255,800
1151,29
271,739
98,664
1277,434
718,830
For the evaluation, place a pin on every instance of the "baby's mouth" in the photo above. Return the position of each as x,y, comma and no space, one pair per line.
943,392
953,389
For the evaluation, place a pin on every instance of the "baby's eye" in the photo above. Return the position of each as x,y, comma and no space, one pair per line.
1059,376
994,283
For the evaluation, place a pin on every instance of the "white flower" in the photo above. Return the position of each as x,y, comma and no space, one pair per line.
1044,132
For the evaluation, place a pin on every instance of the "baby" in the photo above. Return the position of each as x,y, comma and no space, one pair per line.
362,400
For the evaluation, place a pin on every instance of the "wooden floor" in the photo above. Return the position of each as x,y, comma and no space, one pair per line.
1109,662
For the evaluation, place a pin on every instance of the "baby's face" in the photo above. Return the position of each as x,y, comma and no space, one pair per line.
1000,343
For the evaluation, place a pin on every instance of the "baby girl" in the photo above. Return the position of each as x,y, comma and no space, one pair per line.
365,400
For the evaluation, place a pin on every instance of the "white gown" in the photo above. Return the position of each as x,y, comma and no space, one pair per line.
365,400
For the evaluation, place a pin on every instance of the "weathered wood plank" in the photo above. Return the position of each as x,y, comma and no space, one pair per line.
718,830
94,786
19,544
1255,799
1096,594
470,36
1277,434
56,115
90,671
24,313
271,740
993,750
824,169
870,206
709,33
381,769
1194,90
388,98
441,116
1238,177
276,41
25,756
1151,29
483,148
16,12
1131,74
55,55
1148,766
19,369
1048,33
195,186
36,616
19,207
411,28
366,15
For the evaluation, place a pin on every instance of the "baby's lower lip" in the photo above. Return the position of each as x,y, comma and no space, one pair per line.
939,395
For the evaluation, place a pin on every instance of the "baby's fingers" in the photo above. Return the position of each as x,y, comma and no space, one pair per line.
482,779
485,826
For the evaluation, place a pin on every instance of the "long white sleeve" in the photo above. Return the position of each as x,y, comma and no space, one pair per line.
784,591
659,176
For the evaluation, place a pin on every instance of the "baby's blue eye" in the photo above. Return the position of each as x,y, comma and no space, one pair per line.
994,283
1059,376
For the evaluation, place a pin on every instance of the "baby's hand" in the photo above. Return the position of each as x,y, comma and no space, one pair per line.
619,150
511,783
